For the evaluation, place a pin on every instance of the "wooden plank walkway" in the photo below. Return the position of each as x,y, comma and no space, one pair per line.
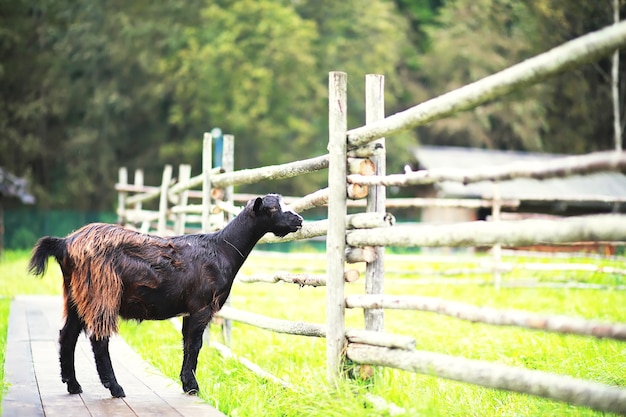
33,373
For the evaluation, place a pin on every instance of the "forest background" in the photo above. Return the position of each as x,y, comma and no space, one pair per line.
87,87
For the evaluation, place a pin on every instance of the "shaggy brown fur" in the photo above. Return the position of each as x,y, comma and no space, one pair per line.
95,251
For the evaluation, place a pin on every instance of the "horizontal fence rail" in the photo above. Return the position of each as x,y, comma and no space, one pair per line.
273,172
559,167
316,330
275,325
511,233
320,227
488,315
491,375
219,178
311,280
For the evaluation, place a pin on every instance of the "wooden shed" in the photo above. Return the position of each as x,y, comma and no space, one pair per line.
602,192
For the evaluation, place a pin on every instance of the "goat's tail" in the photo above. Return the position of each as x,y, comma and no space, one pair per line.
46,247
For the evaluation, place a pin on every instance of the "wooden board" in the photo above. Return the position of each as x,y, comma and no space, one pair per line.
33,374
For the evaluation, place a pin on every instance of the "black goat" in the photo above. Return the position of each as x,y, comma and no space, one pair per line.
109,271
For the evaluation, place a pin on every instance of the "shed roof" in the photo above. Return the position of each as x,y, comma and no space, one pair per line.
601,186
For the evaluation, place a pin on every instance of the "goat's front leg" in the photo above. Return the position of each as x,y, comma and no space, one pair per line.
68,336
105,368
193,329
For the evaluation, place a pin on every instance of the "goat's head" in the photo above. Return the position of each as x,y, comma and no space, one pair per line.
272,212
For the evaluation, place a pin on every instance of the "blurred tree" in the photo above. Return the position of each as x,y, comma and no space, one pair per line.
81,95
421,15
110,52
31,108
578,103
246,69
363,39
473,40
258,69
88,87
569,113
372,41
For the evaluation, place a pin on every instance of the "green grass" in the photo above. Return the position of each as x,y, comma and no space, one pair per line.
236,391
5,304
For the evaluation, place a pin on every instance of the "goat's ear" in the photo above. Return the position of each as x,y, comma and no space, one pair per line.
257,204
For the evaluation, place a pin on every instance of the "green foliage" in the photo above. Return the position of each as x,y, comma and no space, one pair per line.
363,40
474,39
81,94
575,123
86,88
247,70
487,36
5,306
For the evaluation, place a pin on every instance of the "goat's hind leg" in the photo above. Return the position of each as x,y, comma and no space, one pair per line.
68,336
105,368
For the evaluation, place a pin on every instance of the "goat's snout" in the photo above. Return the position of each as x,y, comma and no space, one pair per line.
289,222
298,221
294,220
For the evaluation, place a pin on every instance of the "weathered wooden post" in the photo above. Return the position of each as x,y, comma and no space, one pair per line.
207,166
184,174
376,199
617,120
497,247
228,164
336,239
207,161
165,184
138,178
122,179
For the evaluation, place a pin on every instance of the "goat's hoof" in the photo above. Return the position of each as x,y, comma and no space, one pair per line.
117,391
191,388
73,387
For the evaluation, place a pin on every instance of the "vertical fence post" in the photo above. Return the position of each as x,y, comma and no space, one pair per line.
184,174
336,239
138,185
165,184
207,166
145,224
376,199
228,163
497,248
617,121
122,176
207,161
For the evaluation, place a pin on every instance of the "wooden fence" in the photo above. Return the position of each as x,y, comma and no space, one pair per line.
363,236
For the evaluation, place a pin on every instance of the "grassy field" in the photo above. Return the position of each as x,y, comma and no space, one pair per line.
236,391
